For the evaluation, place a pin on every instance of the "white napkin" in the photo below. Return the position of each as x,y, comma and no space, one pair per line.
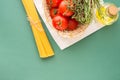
66,42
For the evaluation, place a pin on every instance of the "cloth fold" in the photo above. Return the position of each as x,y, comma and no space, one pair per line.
61,41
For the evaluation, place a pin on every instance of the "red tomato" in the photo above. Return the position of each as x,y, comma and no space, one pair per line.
60,22
72,24
63,9
53,3
53,12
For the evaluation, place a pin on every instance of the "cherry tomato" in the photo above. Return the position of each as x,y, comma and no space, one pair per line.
72,24
63,9
53,3
60,22
53,12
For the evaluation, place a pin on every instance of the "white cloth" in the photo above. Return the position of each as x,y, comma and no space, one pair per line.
66,42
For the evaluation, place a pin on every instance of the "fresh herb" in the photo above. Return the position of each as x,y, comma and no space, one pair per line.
83,9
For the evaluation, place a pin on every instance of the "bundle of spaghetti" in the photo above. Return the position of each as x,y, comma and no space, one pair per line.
44,48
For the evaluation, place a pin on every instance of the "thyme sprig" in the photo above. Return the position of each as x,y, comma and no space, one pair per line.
83,9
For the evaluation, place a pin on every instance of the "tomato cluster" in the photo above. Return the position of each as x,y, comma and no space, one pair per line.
61,15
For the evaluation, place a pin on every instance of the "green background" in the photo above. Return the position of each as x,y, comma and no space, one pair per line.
96,57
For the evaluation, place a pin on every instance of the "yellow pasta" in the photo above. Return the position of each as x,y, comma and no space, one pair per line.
41,39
